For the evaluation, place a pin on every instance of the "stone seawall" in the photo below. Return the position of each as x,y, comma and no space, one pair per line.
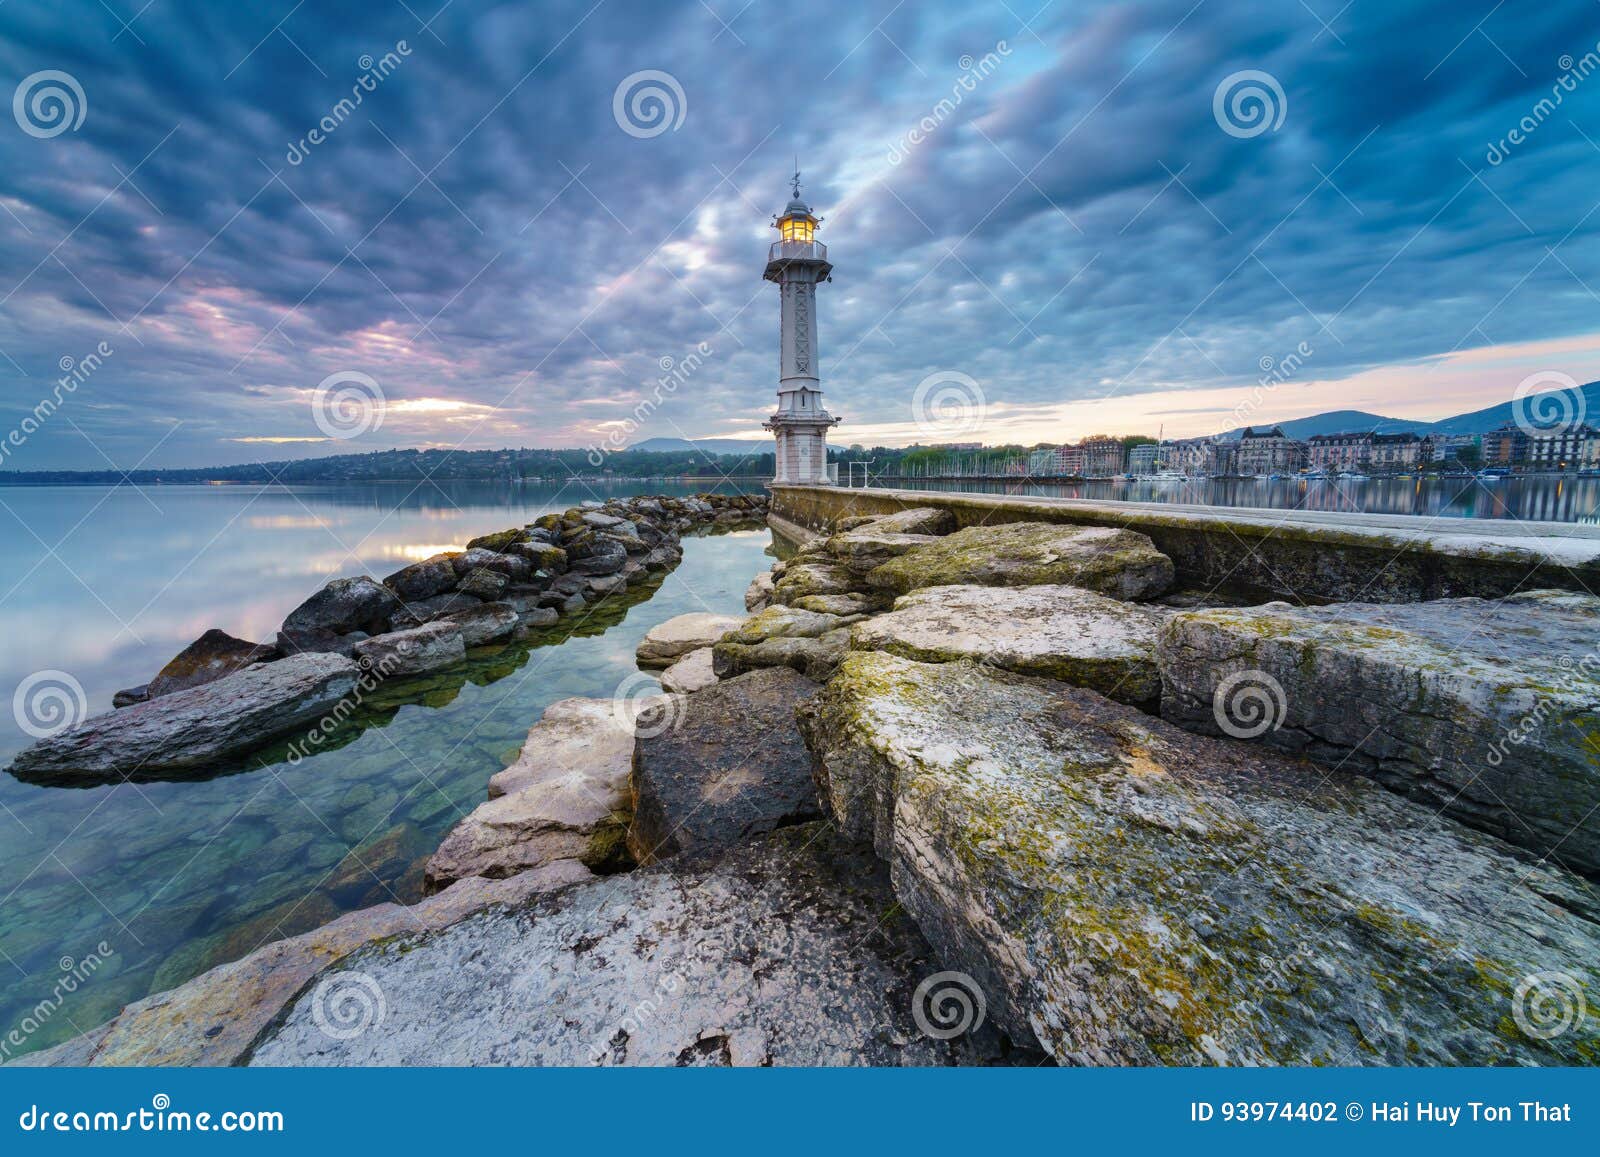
1304,555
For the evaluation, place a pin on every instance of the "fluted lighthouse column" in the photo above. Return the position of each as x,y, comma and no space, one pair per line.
797,262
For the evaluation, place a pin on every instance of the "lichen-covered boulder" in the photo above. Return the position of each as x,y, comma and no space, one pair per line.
854,603
665,642
1059,632
207,659
1121,563
499,542
413,651
543,556
801,578
869,548
194,728
714,768
787,950
422,580
565,798
690,673
815,658
483,583
1488,710
1130,893
786,622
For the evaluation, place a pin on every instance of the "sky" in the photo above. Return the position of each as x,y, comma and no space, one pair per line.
1045,220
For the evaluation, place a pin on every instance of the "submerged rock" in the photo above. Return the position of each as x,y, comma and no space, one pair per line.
215,1018
690,673
714,768
785,951
1129,893
1488,710
1121,563
565,798
666,642
191,729
1061,632
207,659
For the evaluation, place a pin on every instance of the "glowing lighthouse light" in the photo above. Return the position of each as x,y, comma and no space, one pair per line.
796,262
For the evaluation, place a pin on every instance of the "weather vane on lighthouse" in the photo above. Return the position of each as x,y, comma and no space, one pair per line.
797,261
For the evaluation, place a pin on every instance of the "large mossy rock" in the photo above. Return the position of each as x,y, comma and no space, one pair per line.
215,1018
714,768
815,575
1488,710
422,580
566,797
1121,563
916,520
194,729
1130,893
866,549
787,950
1059,632
207,659
345,605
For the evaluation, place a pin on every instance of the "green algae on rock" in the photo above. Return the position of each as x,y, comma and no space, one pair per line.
1121,563
1059,632
1129,893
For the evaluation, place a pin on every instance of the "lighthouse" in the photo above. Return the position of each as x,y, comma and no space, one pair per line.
797,261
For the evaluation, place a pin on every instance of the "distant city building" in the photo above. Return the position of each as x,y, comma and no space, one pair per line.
1144,458
1268,451
1102,457
1194,456
1395,453
1444,447
1339,453
1560,448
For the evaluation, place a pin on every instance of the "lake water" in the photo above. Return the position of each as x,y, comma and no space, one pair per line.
106,584
1533,498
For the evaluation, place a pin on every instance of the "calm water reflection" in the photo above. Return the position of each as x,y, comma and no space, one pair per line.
176,877
1552,499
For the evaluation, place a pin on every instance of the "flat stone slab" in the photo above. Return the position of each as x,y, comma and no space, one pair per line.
666,642
786,951
1130,893
714,768
690,673
868,548
815,658
215,1018
1121,563
194,728
1060,632
1486,709
812,577
565,798
916,520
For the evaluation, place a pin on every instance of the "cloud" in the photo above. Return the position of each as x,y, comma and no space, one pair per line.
480,236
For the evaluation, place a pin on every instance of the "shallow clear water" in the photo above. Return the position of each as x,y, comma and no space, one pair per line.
176,877
1552,499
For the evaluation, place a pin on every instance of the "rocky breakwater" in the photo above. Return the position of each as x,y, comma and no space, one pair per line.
222,697
1021,860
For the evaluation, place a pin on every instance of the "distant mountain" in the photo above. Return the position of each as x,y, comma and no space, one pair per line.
1558,406
702,445
1554,407
1340,422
